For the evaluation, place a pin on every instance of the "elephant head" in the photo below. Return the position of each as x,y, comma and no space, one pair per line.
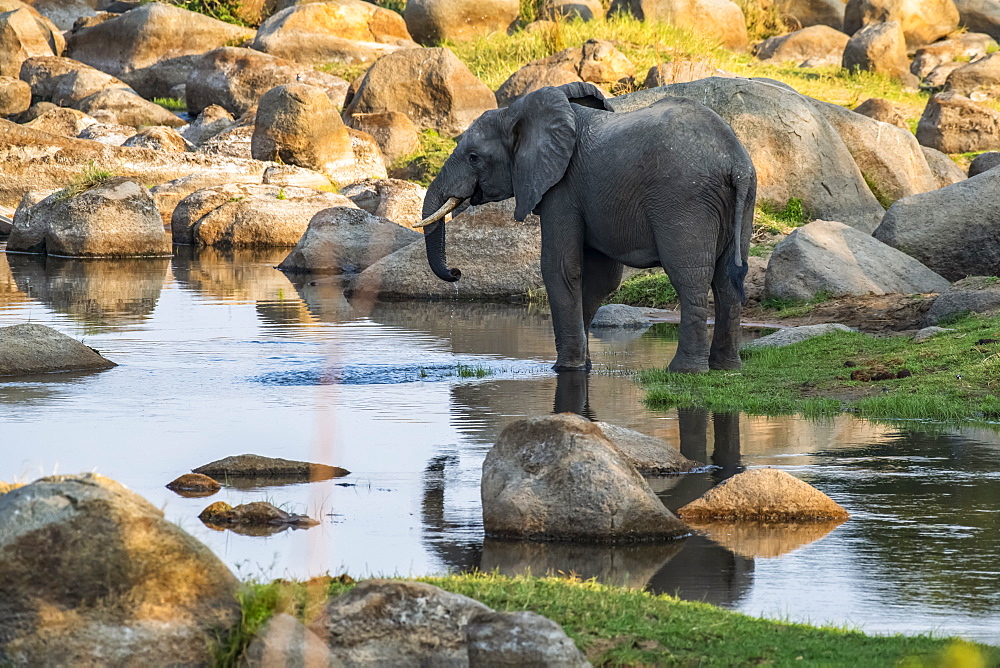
520,151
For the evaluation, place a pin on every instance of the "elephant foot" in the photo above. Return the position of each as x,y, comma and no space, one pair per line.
727,364
687,366
568,367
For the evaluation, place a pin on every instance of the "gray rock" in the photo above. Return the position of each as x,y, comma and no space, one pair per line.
520,639
92,574
953,230
779,127
880,47
114,218
342,240
984,162
964,47
786,337
650,456
944,169
235,141
976,294
619,315
953,123
929,332
559,478
480,240
212,120
398,623
826,256
31,348
256,466
980,16
818,44
979,79
70,89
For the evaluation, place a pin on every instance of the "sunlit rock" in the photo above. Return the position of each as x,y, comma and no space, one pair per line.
194,485
249,516
256,466
31,348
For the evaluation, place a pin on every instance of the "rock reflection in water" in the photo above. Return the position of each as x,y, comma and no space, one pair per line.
765,539
99,293
257,531
251,483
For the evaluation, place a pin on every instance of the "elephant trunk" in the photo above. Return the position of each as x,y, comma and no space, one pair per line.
442,197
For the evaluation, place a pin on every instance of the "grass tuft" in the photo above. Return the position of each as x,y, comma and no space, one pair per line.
171,103
91,176
477,371
223,10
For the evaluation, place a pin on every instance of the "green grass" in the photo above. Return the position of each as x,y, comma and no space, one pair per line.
478,371
91,176
171,103
615,626
651,290
223,10
794,308
773,219
953,378
424,165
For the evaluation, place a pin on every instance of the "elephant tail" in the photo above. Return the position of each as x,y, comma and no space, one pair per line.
746,193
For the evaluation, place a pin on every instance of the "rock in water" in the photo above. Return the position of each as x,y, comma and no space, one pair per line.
247,517
767,494
560,478
256,466
194,485
619,315
92,574
31,348
648,454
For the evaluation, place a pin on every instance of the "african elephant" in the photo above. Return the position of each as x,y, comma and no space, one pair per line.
669,185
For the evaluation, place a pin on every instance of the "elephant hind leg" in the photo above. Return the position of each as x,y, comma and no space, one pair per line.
725,352
601,277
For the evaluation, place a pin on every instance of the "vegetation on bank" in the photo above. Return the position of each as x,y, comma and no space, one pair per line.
619,626
953,376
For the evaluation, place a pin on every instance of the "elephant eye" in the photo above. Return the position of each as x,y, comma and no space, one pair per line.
474,158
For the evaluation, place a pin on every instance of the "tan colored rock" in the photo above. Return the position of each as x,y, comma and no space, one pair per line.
113,218
345,240
235,141
978,80
256,513
880,47
944,169
764,494
21,37
394,132
434,21
30,349
531,78
721,19
15,96
92,574
127,108
952,123
597,61
168,195
819,45
298,125
678,71
884,111
285,641
62,121
159,138
300,177
965,47
922,22
194,485
256,466
212,120
346,31
432,87
559,478
70,89
586,10
236,79
152,47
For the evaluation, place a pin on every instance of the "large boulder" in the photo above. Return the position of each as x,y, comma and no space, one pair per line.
953,123
805,13
346,31
116,217
236,79
499,258
343,240
298,125
152,47
31,348
780,127
944,169
248,216
952,230
397,200
560,478
722,19
922,22
127,108
830,257
889,157
984,162
62,122
22,36
394,132
767,495
92,574
679,71
880,48
596,61
975,294
70,89
980,16
15,96
235,141
816,45
979,79
431,86
434,21
649,455
883,110
44,73
168,195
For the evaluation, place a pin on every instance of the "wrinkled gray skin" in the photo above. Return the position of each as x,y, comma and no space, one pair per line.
669,185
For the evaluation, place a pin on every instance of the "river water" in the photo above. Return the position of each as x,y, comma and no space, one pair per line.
220,354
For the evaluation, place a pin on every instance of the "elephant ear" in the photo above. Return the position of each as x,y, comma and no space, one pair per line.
584,94
544,132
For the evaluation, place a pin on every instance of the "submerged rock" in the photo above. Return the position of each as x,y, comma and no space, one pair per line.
194,485
648,454
560,478
766,495
248,516
256,466
32,348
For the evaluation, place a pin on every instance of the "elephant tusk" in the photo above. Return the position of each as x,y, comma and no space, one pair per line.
445,209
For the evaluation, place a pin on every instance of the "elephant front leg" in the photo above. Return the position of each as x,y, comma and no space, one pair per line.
561,272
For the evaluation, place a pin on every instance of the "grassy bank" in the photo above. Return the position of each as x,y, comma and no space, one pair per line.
617,626
953,376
